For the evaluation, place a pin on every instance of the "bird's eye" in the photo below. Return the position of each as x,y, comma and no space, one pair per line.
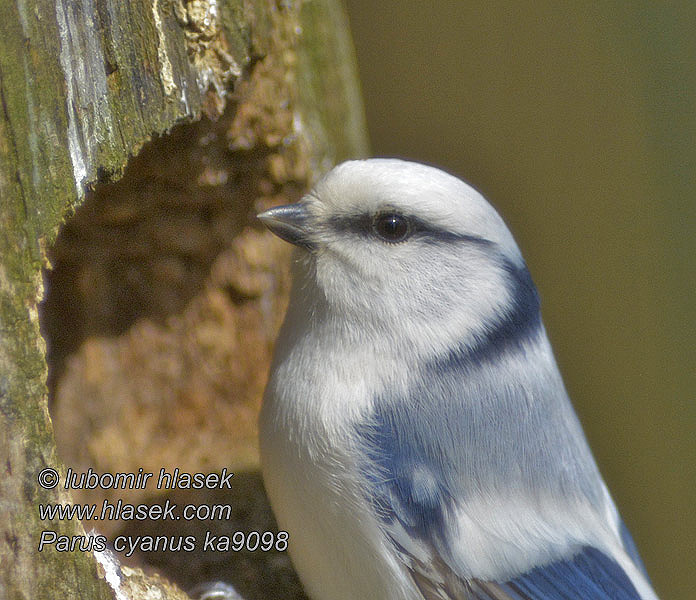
391,227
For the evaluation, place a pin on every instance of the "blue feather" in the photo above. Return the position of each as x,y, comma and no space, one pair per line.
589,575
632,549
394,462
517,325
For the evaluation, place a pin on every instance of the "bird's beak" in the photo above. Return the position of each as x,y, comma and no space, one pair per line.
289,222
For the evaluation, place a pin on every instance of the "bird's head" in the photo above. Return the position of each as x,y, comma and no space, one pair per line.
396,247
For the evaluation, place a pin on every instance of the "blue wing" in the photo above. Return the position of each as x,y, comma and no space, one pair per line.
590,574
412,496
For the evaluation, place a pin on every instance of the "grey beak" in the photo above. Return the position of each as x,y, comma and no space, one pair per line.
289,222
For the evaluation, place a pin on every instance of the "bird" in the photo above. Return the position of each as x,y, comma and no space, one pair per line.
416,438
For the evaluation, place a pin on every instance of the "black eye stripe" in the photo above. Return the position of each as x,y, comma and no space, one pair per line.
362,225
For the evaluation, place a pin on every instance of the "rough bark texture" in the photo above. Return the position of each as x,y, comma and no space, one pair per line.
162,296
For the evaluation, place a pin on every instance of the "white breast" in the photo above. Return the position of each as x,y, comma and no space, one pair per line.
335,541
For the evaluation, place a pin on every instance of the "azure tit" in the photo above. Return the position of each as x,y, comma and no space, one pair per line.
417,441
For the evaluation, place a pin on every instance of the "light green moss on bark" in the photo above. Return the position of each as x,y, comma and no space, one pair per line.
329,94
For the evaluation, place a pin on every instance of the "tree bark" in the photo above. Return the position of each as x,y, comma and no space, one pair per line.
84,84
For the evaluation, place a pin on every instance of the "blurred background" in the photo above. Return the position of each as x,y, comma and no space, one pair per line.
578,122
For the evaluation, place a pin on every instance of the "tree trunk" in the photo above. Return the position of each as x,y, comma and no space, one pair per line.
84,84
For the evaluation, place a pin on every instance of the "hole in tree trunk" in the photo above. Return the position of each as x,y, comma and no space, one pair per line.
162,304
